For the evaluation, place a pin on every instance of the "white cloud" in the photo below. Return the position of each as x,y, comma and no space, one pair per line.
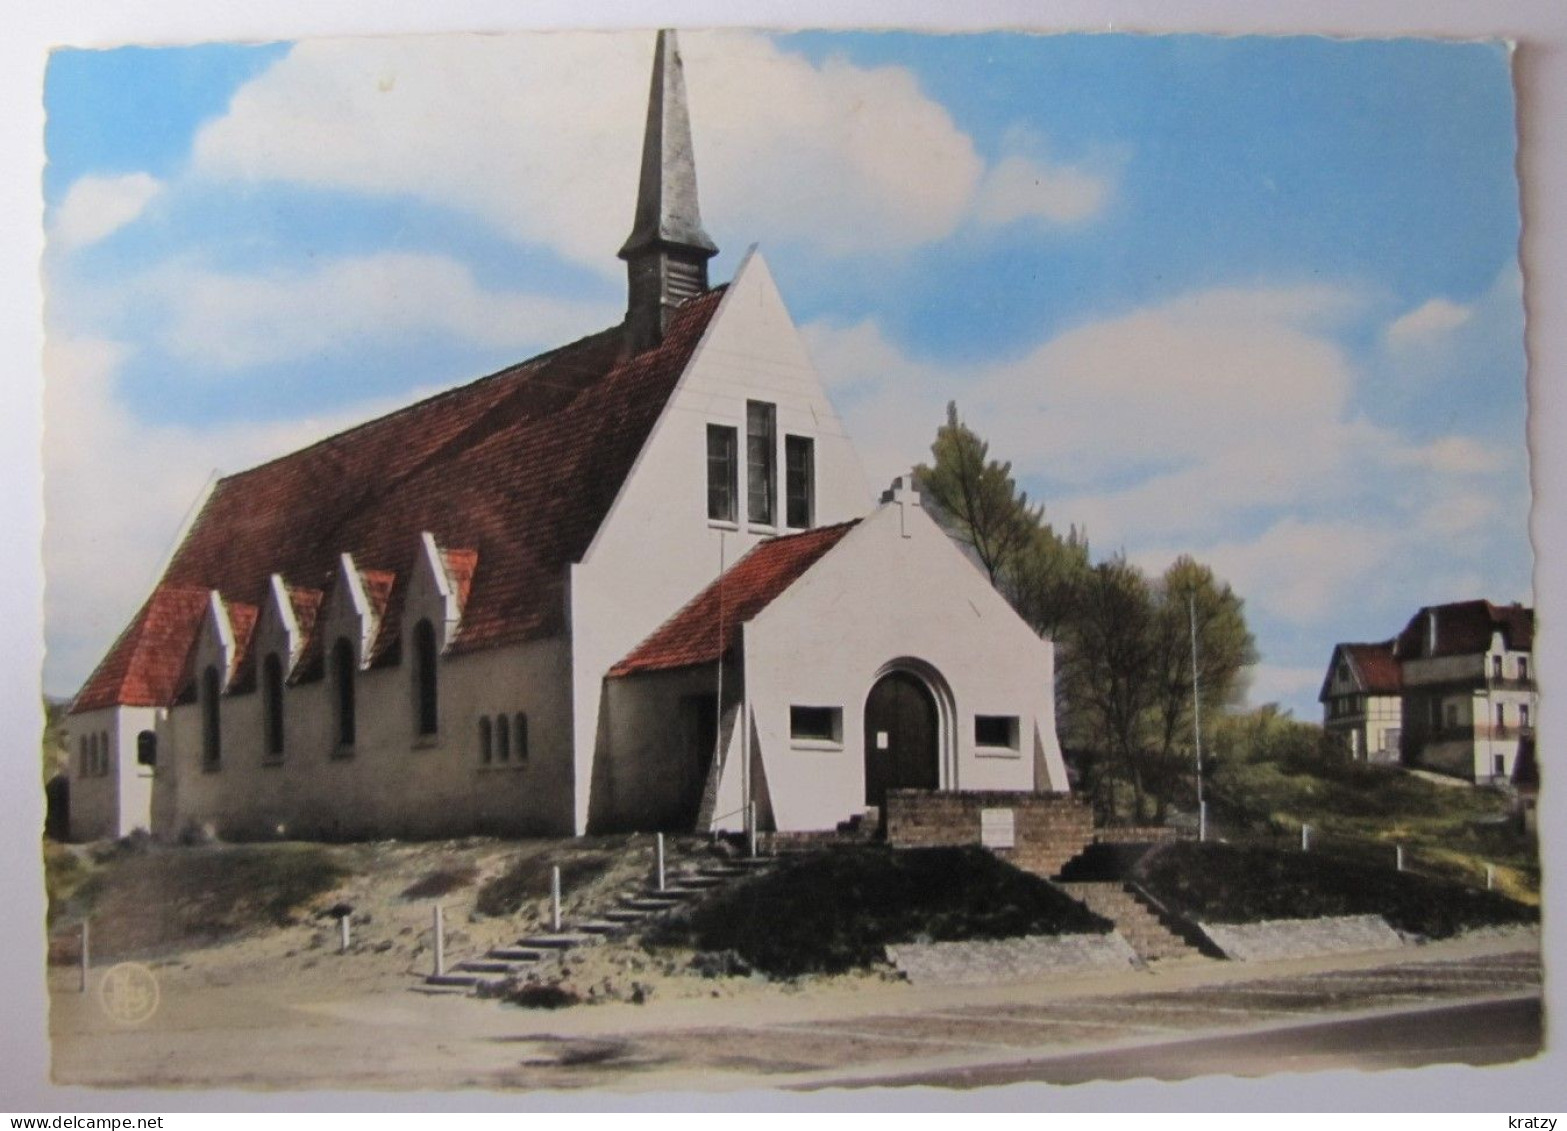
1022,187
1458,455
1277,683
230,321
96,207
1428,323
539,134
115,489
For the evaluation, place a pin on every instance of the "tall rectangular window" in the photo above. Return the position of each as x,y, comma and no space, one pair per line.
761,461
799,481
723,483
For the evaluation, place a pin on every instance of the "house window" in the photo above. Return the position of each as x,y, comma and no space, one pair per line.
211,722
723,470
761,461
1343,673
502,739
486,741
343,667
799,481
1501,716
146,748
816,724
1496,667
519,736
1498,765
426,701
272,704
1523,714
996,730
1523,667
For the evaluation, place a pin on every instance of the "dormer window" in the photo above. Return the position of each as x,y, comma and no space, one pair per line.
723,473
426,703
761,462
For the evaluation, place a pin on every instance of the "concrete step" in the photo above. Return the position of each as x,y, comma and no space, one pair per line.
563,941
516,954
457,981
694,881
600,926
487,966
626,915
649,904
1135,922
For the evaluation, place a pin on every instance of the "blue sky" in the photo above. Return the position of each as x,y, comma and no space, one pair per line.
1252,299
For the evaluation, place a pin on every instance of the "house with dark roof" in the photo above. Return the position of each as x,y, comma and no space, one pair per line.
1361,697
637,582
1454,692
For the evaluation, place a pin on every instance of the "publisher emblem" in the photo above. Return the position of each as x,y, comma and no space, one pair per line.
129,993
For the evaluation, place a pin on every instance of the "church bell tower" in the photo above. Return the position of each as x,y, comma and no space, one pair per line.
667,252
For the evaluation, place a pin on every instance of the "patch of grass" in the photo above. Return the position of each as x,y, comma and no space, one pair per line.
1224,883
529,878
442,881
834,911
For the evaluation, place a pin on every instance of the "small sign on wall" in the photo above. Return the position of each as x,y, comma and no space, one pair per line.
881,740
997,828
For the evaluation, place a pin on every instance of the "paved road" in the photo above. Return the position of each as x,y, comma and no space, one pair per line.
1492,1032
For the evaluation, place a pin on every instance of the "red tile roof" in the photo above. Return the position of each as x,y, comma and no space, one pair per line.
1377,666
697,634
518,468
1465,628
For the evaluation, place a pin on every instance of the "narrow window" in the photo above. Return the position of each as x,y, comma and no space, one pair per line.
272,704
502,739
1498,765
816,724
996,730
1501,716
1523,668
486,741
800,481
425,676
761,458
211,721
520,736
1496,667
343,672
723,485
147,749
1523,714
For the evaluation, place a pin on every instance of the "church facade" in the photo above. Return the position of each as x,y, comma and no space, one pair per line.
638,582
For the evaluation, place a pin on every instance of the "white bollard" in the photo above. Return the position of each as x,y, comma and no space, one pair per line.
440,942
1202,820
343,936
1399,856
750,829
1490,876
555,898
1305,838
86,960
660,861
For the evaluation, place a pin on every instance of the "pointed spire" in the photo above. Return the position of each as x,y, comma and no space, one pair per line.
667,252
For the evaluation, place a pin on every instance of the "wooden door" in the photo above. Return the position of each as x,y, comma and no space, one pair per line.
902,736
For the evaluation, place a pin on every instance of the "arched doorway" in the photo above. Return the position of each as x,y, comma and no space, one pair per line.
902,737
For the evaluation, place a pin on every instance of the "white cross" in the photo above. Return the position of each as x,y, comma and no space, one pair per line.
904,493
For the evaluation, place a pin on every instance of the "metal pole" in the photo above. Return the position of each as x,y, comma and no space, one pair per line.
440,942
86,959
1191,615
660,861
555,898
342,931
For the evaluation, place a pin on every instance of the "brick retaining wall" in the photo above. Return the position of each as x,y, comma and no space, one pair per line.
1048,828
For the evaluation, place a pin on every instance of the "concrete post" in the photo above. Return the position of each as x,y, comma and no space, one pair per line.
440,942
1399,857
750,827
1305,838
660,861
86,959
343,934
1490,876
555,898
1202,820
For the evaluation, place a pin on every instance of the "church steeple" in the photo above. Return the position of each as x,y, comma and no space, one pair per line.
667,252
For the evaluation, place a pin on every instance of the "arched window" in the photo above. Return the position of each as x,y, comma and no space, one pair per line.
211,721
486,739
147,748
519,736
272,704
343,667
502,739
426,702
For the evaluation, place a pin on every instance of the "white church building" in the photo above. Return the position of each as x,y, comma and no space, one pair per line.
638,582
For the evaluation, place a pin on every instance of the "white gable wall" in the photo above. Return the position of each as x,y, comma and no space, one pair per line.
119,801
876,601
657,549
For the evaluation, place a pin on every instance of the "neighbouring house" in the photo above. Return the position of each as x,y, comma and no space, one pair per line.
1470,699
1361,701
638,582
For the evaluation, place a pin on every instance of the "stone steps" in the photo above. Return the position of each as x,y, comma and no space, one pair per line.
1135,921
